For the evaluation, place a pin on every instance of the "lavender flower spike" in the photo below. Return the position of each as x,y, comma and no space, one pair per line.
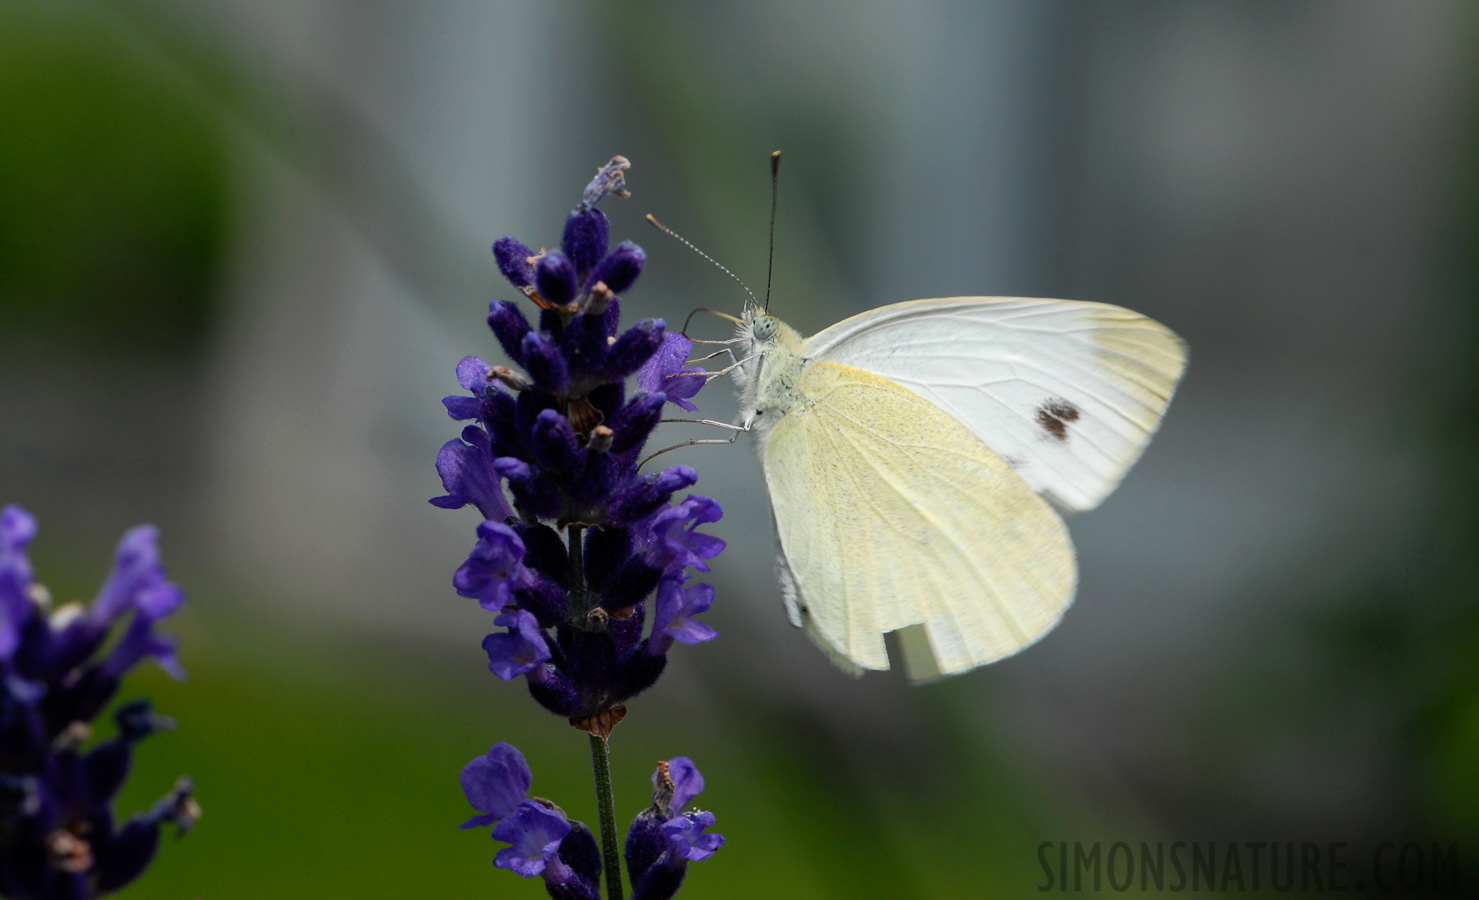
663,839
58,832
578,547
544,842
554,448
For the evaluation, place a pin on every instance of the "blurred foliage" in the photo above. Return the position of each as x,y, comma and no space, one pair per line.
114,192
326,760
1385,666
1411,636
1447,577
326,764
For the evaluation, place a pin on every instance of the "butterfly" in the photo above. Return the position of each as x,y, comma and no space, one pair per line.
914,456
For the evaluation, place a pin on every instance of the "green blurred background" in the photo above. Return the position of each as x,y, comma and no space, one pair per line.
243,245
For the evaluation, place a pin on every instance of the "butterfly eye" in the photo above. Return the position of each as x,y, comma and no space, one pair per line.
765,327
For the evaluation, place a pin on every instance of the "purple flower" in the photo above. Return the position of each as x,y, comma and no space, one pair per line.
513,261
687,782
521,649
663,839
535,834
677,604
466,467
474,376
683,831
555,448
17,530
686,839
57,673
496,784
141,642
544,842
619,269
136,569
579,546
676,540
488,574
661,373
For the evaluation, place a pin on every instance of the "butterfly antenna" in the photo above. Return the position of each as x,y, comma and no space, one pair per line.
689,244
775,177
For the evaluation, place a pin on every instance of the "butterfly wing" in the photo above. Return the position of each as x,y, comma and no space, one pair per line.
893,516
1068,393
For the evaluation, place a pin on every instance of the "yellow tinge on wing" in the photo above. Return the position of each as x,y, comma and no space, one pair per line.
893,516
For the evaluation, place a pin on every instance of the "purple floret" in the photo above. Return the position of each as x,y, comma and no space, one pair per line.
661,373
519,650
619,270
488,575
677,542
677,604
513,261
468,475
688,782
535,834
17,530
141,642
495,784
686,838
136,568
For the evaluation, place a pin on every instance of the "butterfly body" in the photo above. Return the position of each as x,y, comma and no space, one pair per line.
907,452
770,384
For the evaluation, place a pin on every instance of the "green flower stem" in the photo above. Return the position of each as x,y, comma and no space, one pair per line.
600,753
601,762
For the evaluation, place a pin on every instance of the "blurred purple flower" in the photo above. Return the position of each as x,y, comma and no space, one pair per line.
58,836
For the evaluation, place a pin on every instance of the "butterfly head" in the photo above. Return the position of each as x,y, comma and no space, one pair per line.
763,333
763,329
769,370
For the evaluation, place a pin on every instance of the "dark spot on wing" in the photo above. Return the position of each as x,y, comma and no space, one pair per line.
1054,416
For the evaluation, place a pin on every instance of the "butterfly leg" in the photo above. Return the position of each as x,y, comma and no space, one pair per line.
736,431
725,351
713,422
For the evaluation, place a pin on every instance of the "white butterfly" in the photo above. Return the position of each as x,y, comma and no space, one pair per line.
905,450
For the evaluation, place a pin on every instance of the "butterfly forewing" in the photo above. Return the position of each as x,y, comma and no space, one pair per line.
1068,393
892,514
